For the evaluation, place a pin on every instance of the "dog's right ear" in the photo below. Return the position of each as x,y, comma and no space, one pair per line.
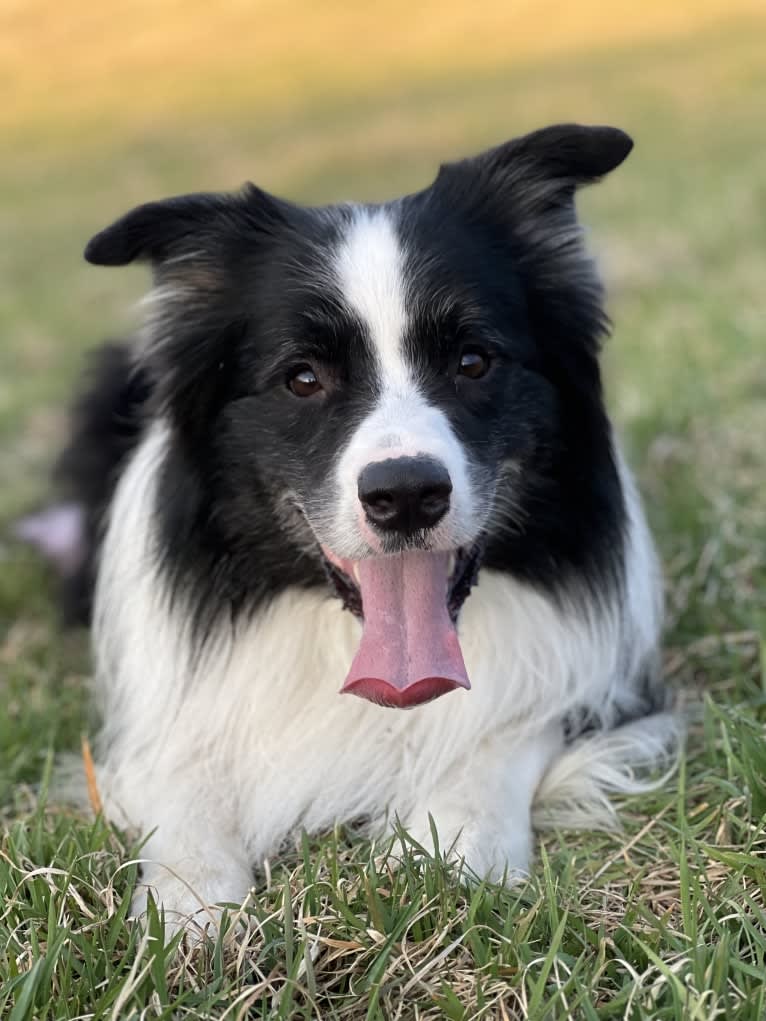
158,231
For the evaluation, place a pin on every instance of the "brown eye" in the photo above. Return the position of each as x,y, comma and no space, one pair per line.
474,363
304,383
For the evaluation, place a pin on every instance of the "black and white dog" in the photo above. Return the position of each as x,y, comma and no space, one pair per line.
363,448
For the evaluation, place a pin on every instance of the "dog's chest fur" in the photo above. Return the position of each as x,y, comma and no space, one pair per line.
257,708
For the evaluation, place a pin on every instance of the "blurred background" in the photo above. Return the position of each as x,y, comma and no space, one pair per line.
111,104
106,105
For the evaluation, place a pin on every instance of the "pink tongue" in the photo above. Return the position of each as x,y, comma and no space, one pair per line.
409,652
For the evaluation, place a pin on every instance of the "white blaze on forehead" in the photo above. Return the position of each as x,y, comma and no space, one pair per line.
369,268
369,265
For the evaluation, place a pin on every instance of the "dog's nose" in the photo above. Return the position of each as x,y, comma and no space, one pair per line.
405,494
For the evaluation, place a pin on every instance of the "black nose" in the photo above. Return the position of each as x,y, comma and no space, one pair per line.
405,494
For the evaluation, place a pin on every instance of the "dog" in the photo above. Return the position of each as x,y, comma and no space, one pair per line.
358,462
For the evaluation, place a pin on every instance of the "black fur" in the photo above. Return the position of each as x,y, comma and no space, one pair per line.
106,423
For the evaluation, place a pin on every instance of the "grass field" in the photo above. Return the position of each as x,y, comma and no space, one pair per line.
668,918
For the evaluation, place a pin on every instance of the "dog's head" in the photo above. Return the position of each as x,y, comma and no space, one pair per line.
391,378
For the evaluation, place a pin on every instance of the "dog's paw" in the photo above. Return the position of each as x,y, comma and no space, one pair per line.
188,903
484,848
493,858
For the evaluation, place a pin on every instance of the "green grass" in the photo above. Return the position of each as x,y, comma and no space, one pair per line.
666,920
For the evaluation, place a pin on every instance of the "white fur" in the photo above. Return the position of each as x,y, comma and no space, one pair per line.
370,271
370,274
228,756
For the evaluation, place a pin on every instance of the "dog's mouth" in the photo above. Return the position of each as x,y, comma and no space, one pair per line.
409,602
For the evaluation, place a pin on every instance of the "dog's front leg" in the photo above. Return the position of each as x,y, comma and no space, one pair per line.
482,806
193,859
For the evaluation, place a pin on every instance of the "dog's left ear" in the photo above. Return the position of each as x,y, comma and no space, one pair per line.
557,160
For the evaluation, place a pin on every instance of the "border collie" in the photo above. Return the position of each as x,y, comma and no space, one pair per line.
364,449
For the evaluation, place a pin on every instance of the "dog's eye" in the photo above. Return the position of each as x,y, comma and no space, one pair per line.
474,363
303,382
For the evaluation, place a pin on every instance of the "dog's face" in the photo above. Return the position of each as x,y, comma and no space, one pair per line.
388,377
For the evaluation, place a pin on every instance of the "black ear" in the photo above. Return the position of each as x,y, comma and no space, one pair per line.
161,230
154,230
563,156
570,152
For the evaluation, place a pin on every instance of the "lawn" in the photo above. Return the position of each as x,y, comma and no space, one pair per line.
666,919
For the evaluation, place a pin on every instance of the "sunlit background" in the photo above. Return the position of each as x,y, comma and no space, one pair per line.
106,105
